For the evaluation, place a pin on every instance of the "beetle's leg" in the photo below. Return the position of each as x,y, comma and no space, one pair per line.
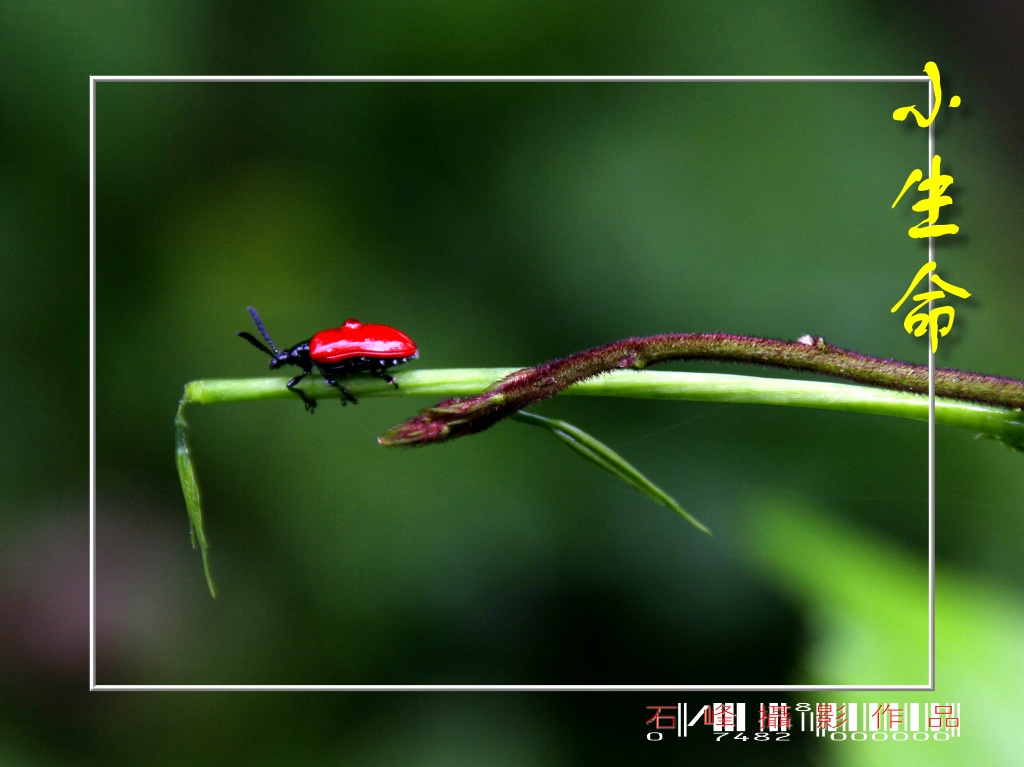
382,372
346,395
307,401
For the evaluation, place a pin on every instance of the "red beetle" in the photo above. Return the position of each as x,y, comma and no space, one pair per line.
338,353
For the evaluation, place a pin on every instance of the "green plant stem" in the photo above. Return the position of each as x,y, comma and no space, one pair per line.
1002,423
459,416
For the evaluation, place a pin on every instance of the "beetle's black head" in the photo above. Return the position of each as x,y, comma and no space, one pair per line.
281,358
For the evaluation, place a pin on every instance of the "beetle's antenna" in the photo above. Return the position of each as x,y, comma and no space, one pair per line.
263,330
252,339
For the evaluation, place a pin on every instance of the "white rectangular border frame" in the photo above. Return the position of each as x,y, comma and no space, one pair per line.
93,80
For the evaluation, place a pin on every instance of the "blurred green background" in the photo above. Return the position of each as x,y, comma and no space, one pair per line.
498,224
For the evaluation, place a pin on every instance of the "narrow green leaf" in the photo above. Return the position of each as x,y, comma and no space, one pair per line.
605,458
190,489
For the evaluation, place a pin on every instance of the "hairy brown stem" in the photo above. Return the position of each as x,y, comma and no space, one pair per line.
460,416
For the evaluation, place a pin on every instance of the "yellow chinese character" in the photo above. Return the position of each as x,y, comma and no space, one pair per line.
903,113
919,323
934,186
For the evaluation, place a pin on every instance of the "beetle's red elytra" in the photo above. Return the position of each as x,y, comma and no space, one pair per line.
355,347
356,339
